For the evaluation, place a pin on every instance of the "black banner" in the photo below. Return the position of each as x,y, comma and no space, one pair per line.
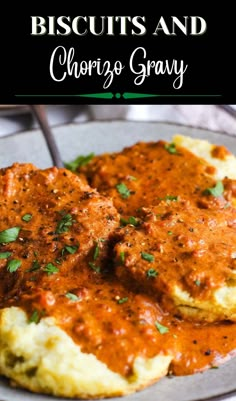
163,58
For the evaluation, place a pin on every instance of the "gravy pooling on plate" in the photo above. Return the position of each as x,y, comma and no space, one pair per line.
98,284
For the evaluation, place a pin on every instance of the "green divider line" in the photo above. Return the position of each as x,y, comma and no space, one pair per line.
125,95
106,95
131,95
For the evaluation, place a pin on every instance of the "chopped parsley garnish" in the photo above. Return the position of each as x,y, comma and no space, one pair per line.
158,215
171,148
122,257
147,256
152,273
162,329
197,282
97,269
102,240
13,265
171,198
122,300
123,190
64,224
5,255
216,191
79,162
35,266
9,235
131,220
132,178
96,251
51,269
34,318
72,297
27,217
70,249
170,233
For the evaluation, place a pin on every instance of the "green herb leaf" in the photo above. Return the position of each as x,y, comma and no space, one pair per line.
9,235
216,191
27,217
64,224
79,162
170,233
72,297
122,257
51,269
122,300
13,265
34,318
94,267
35,266
131,220
5,255
152,273
171,148
96,251
132,178
197,282
171,198
147,256
70,249
162,329
123,190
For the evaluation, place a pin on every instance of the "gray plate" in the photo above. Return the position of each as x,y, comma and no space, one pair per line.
99,137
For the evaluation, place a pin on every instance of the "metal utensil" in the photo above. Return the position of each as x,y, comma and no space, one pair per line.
39,112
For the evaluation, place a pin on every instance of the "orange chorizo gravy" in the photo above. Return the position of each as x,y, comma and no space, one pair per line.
67,265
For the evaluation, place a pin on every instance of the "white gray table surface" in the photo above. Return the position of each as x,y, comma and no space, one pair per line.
16,119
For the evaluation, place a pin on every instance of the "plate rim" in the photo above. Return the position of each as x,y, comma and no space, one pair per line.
121,120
